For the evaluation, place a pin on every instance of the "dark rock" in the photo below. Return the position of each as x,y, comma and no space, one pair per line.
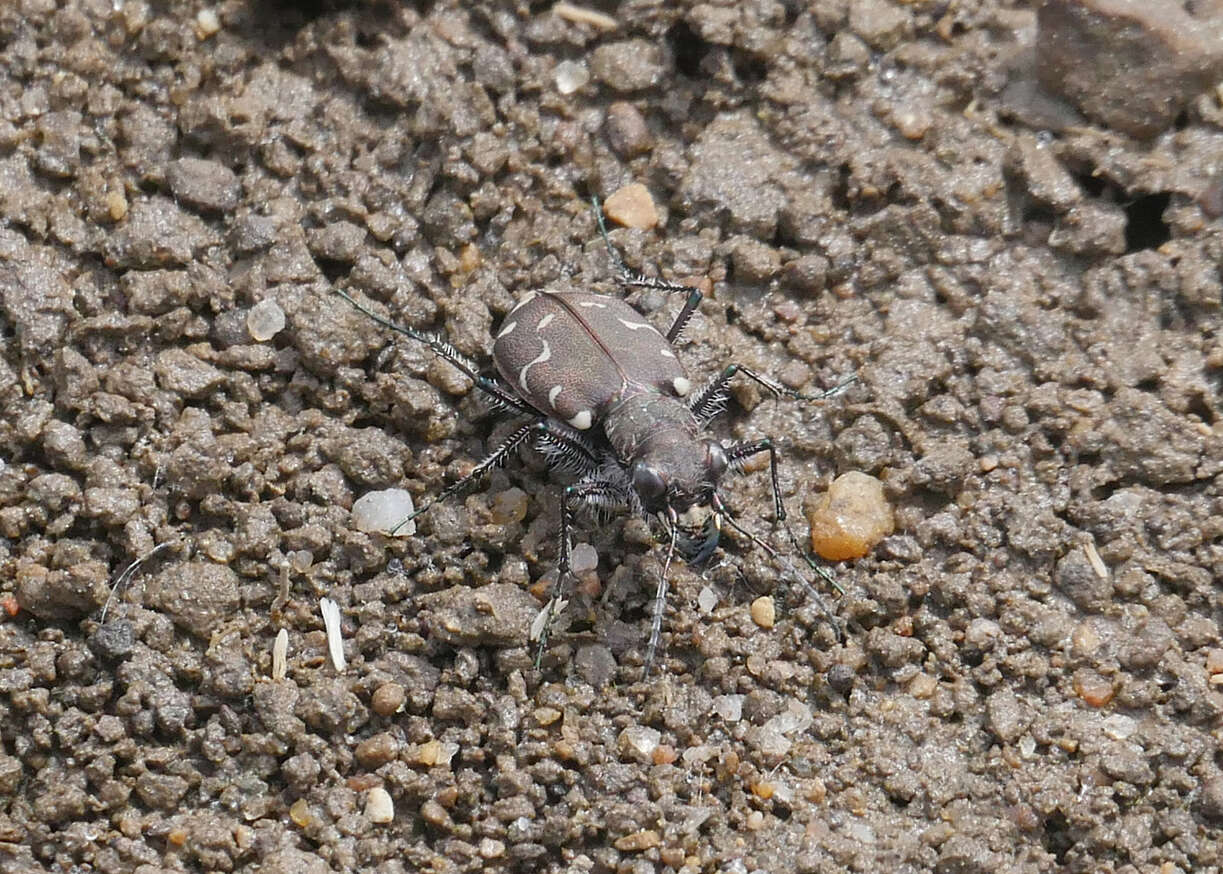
1130,64
207,186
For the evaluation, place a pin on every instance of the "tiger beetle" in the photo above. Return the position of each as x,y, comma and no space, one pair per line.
607,400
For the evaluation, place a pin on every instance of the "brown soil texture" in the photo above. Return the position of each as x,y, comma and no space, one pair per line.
1031,677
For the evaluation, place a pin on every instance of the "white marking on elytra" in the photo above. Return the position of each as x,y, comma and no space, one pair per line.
666,353
633,326
506,328
681,385
539,359
581,421
525,299
545,321
592,303
552,393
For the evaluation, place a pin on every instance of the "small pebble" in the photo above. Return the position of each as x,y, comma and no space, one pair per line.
632,206
1214,660
379,808
638,742
665,754
764,612
300,813
706,600
729,707
763,790
335,637
280,652
570,76
626,129
509,506
1096,690
637,841
851,518
923,686
265,320
1084,640
388,699
384,512
912,125
583,558
755,820
206,23
376,751
491,848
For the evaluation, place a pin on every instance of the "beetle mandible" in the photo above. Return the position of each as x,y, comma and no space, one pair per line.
607,399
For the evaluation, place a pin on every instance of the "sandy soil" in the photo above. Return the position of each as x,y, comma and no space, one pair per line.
1031,675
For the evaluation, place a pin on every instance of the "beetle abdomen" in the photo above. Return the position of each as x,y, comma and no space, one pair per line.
571,354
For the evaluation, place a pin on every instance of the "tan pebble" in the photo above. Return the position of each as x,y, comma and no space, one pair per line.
632,206
177,836
379,807
1084,639
923,686
1093,688
763,790
912,125
206,23
434,814
637,841
764,612
816,791
509,506
546,715
469,258
1214,660
491,848
388,699
428,753
665,754
851,518
672,857
300,813
376,751
116,205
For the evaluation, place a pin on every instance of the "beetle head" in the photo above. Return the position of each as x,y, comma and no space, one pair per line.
674,472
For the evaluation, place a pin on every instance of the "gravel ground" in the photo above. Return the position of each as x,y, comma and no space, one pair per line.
1032,673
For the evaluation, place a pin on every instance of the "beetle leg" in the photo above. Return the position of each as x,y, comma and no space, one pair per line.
711,400
573,495
660,599
736,454
627,275
494,459
564,449
447,352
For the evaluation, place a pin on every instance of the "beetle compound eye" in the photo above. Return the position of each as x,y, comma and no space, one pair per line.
715,460
648,482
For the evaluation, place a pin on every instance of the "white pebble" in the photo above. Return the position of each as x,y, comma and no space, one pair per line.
639,742
280,653
729,707
335,639
384,512
582,558
706,600
379,807
206,23
265,320
1119,726
570,76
